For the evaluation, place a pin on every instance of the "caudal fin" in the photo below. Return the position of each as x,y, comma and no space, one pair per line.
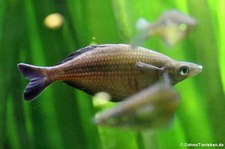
38,80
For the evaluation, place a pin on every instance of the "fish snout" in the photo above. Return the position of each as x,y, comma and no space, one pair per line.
195,70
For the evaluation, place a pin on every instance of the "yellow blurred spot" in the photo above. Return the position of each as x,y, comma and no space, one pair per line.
54,21
101,98
182,27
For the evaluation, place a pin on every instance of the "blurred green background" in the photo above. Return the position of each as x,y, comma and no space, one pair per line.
61,117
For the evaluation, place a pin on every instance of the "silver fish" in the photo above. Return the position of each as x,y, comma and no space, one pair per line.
152,107
117,69
172,27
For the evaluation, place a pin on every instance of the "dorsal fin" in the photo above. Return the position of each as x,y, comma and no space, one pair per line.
83,50
76,53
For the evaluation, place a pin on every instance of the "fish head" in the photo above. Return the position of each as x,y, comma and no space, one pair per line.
182,70
175,26
178,18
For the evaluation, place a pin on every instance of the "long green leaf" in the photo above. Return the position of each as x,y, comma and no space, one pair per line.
61,117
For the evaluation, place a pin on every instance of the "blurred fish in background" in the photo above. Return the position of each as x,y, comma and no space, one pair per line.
172,26
152,107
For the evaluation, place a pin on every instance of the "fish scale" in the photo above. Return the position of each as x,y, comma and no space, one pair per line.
112,68
115,67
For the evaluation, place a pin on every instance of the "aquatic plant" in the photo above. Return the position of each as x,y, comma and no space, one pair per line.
61,118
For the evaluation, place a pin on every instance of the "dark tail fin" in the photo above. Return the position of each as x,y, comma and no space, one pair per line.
38,80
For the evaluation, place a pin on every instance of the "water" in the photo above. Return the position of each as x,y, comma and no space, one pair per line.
62,116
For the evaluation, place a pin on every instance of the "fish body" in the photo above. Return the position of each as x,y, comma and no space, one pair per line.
117,69
152,107
172,26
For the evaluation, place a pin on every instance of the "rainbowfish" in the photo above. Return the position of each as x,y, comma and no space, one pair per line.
172,27
117,69
152,107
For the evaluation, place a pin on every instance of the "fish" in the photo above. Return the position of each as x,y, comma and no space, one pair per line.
117,69
172,26
151,108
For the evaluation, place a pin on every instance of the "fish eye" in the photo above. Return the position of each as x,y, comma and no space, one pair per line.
183,70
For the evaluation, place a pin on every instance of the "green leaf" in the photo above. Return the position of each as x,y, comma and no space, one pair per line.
61,118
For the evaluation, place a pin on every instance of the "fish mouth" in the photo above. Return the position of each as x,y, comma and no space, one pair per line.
200,68
197,69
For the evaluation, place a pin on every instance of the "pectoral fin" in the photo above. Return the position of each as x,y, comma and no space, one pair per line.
144,67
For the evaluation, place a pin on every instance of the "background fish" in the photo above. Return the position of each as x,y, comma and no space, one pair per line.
152,107
117,69
172,26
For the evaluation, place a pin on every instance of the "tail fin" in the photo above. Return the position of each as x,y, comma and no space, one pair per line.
38,80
